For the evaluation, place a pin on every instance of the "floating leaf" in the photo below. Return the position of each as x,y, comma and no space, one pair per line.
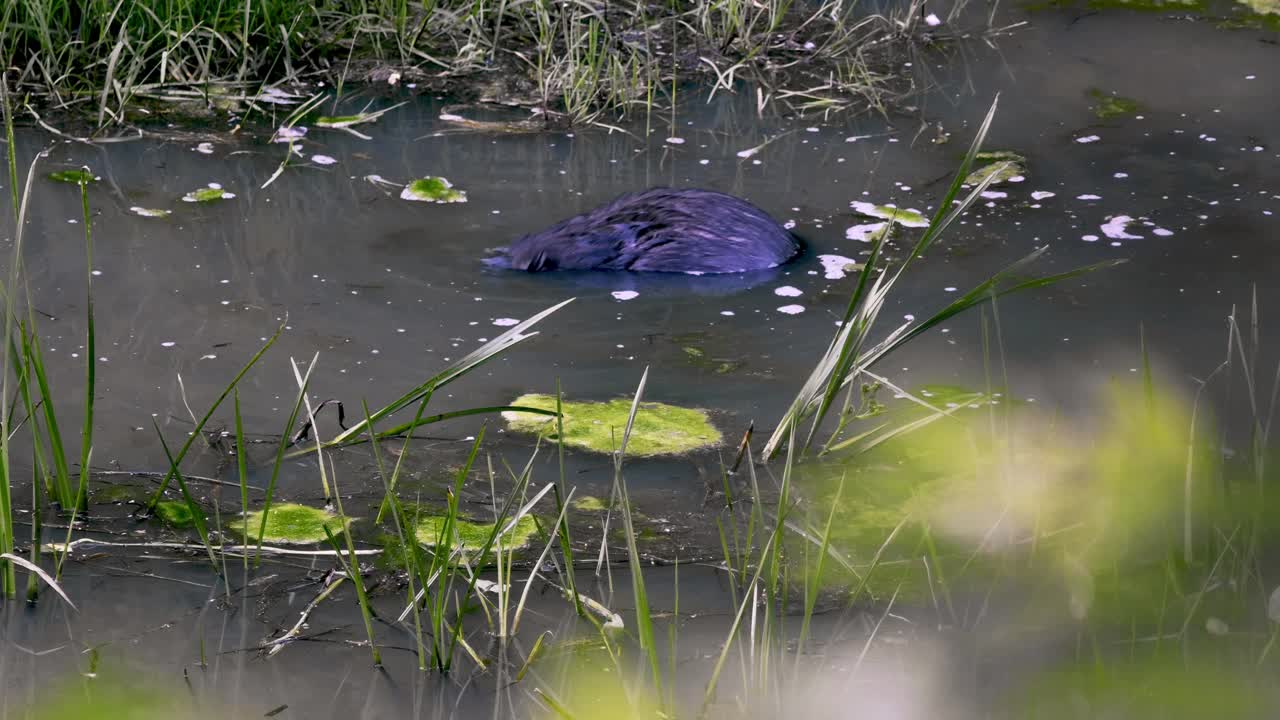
432,189
208,194
1005,165
659,429
74,177
290,523
905,218
150,212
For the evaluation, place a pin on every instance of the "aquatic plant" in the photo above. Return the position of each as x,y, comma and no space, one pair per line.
657,428
290,524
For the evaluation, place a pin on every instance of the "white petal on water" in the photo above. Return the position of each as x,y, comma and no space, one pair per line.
932,20
833,266
506,322
1088,197
864,233
625,294
1115,228
788,291
1162,232
168,343
322,160
994,194
791,309
204,148
1041,194
1088,139
1089,238
675,141
450,117
727,313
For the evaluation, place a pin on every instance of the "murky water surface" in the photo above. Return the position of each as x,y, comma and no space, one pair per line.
1186,187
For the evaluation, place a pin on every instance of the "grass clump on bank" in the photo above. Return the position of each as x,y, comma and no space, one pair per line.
570,61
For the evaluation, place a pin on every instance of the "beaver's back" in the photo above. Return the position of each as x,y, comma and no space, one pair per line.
661,230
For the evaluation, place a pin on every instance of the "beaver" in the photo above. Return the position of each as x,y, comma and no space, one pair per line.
658,230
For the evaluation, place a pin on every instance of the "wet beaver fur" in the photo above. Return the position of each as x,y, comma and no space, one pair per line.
658,230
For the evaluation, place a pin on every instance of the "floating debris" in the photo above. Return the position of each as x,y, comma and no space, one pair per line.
1115,228
835,267
624,294
1110,105
1003,166
150,212
290,524
906,218
868,232
432,189
346,122
791,309
74,177
659,429
287,134
208,194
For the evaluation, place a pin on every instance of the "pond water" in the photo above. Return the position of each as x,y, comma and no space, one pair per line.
387,292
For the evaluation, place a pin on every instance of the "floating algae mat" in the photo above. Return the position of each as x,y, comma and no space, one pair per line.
432,189
659,429
1005,165
73,177
175,514
474,535
290,524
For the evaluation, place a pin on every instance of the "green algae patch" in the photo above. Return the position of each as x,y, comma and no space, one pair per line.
212,193
896,215
73,177
475,535
432,189
1003,165
175,514
290,524
659,429
589,503
1108,105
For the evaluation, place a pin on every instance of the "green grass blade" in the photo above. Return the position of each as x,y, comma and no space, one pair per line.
195,432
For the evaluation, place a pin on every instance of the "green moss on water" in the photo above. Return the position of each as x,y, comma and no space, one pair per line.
1108,105
175,514
207,194
290,524
432,189
1003,164
659,429
589,503
73,177
475,535
895,215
